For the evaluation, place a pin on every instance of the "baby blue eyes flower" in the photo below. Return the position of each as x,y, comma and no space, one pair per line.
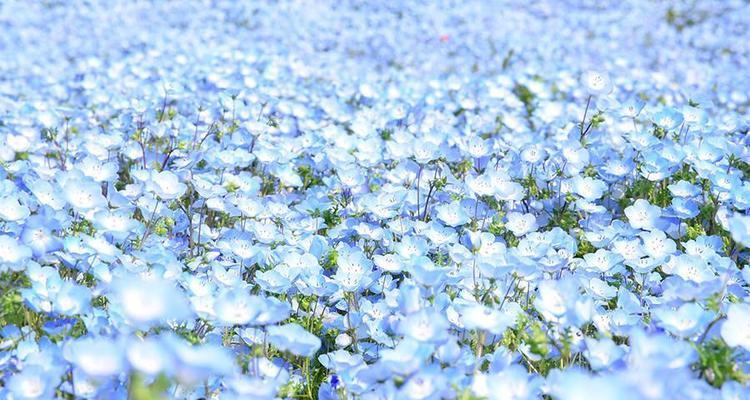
736,329
424,152
425,326
96,170
405,358
687,320
388,262
37,234
354,272
166,185
46,193
96,357
240,244
577,384
643,215
83,194
509,191
149,356
148,302
288,176
453,214
484,318
196,363
482,185
511,383
694,116
265,381
477,147
423,385
237,307
411,247
602,260
521,224
596,82
353,262
631,107
425,272
657,245
273,281
116,224
265,232
602,353
295,339
588,188
601,289
668,118
12,210
31,383
739,226
12,253
684,189
72,299
691,268
685,208
533,154
558,301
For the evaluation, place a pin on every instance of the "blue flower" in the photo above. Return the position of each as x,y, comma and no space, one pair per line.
273,281
739,227
32,382
735,329
602,260
237,307
521,224
426,325
452,214
144,303
684,189
97,357
72,299
12,210
38,235
588,188
668,118
602,353
294,339
149,356
424,384
196,363
643,215
116,224
596,82
425,272
83,194
686,321
166,185
487,319
684,208
12,253
510,383
576,384
631,107
410,247
656,244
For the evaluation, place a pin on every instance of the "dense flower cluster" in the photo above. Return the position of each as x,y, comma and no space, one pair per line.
374,200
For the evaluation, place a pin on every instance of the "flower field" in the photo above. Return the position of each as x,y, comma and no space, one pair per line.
333,200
